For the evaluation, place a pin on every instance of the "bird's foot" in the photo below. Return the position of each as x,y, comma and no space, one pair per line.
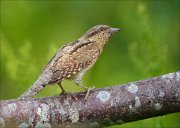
63,92
88,92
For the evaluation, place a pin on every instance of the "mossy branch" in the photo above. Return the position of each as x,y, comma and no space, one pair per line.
106,106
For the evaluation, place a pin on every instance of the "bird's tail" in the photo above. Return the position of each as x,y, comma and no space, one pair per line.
33,90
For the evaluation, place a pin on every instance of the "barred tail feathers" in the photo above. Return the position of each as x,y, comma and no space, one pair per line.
33,90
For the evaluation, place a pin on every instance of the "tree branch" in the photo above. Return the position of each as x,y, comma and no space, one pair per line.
107,106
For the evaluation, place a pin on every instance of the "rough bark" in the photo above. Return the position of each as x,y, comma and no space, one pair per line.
106,106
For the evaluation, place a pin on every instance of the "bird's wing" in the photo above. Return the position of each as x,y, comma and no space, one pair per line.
71,59
66,49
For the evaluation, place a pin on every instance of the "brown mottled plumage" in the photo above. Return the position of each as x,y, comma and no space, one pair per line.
72,60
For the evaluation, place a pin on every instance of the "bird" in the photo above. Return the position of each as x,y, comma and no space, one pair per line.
73,60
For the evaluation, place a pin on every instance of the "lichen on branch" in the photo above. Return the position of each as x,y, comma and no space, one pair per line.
104,107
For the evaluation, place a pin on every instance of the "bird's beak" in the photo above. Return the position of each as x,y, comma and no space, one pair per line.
115,29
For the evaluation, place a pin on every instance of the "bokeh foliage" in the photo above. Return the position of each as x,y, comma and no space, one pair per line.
148,45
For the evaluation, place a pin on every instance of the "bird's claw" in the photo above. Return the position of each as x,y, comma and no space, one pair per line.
88,92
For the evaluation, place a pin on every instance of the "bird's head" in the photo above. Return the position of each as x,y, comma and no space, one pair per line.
100,32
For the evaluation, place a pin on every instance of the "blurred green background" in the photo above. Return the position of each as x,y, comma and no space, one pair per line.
148,45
